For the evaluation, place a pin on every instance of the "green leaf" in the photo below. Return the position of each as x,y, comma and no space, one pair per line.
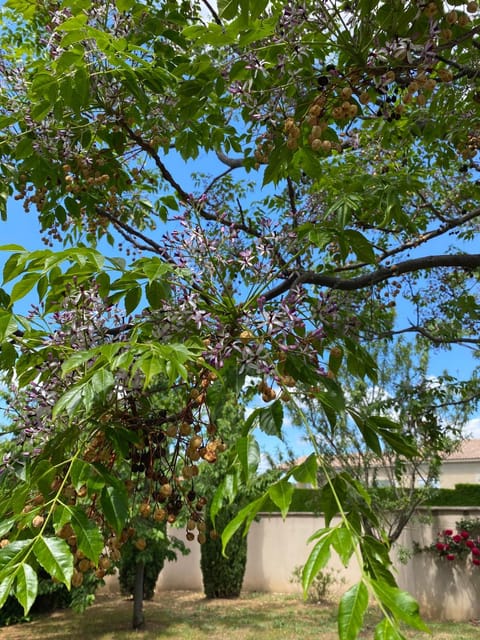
387,630
101,383
269,419
132,299
12,553
360,246
400,603
156,293
229,8
115,507
21,288
26,586
335,359
306,472
8,325
281,494
244,516
343,543
351,611
318,558
14,264
69,401
76,360
55,557
6,584
72,24
248,453
332,493
80,473
369,434
5,526
89,538
125,5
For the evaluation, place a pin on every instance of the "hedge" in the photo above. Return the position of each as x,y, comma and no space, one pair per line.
464,495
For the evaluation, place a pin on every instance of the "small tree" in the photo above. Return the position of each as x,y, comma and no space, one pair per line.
143,558
431,413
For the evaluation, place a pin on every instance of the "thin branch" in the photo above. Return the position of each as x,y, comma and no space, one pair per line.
465,36
147,147
214,14
151,245
216,179
464,71
429,335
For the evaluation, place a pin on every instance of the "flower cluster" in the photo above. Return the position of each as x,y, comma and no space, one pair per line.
450,545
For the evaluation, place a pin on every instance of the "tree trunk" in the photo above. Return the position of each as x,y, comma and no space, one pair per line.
138,617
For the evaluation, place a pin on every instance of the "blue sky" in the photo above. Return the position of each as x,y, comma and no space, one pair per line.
23,229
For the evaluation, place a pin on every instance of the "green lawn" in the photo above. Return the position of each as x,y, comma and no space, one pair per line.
189,616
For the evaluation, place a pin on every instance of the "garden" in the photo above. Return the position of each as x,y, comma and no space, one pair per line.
240,257
183,615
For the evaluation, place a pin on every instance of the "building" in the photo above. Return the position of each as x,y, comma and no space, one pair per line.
462,466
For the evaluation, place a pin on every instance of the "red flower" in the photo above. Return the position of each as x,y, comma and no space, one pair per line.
464,534
450,556
440,546
447,532
476,561
475,551
470,544
457,538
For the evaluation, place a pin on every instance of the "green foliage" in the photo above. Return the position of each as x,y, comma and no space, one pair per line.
464,495
468,495
223,574
50,597
358,125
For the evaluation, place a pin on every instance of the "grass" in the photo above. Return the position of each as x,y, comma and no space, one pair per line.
182,615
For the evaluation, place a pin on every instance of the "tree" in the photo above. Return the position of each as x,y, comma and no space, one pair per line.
142,560
432,413
228,488
344,137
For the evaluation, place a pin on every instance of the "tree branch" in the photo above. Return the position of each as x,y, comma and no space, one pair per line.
124,228
233,163
429,335
464,261
147,147
213,13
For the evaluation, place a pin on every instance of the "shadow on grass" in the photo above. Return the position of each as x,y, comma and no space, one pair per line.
185,616
181,615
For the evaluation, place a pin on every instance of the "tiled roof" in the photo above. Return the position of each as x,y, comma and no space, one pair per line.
469,450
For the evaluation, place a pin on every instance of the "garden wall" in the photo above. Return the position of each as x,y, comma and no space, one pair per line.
445,590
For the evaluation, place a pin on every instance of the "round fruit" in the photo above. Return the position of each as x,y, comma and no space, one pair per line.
141,544
38,521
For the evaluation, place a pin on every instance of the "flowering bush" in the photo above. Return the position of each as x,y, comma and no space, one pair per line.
463,544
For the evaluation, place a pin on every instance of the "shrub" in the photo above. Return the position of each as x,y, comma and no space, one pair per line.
458,545
51,596
321,588
223,576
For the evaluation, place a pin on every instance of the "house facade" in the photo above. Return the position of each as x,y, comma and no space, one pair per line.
462,466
